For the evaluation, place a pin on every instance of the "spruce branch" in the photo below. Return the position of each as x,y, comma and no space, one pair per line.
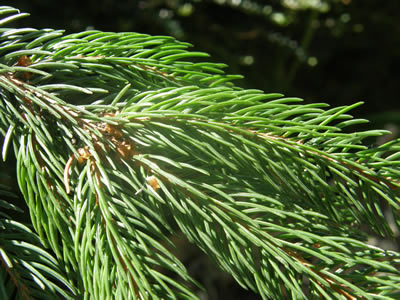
27,270
122,142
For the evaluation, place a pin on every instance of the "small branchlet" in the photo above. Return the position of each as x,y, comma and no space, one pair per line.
113,134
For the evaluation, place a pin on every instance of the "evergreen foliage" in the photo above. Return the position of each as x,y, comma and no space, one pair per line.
123,140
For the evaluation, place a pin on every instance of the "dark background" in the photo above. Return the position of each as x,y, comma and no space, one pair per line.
337,51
